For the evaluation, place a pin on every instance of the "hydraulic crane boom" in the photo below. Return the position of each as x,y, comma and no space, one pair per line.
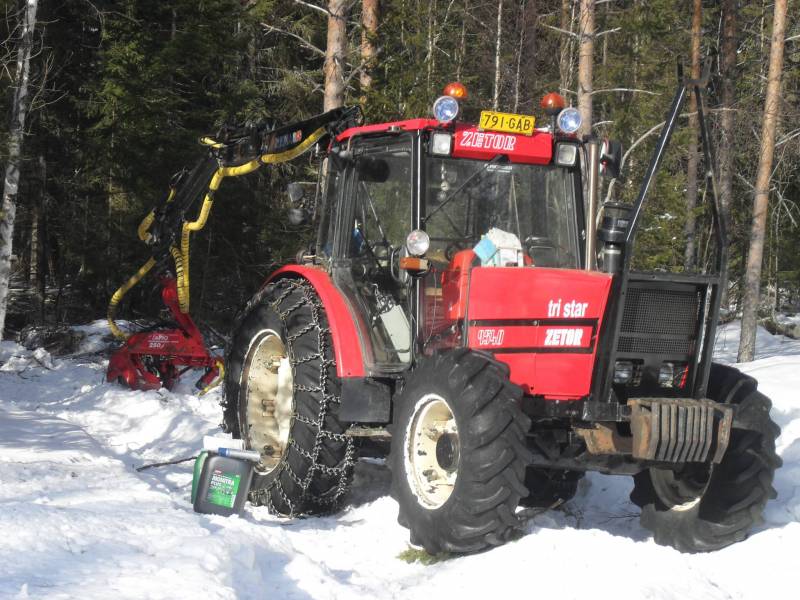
151,359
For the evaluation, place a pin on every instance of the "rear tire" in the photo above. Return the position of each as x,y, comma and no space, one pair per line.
702,508
282,398
458,453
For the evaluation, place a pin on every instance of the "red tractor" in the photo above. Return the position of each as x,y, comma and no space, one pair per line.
453,301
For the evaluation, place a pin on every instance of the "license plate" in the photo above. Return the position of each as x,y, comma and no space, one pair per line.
507,122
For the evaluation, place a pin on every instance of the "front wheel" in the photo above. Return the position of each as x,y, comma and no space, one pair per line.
282,398
458,454
701,507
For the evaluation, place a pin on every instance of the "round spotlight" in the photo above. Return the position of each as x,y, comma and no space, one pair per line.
418,242
445,109
569,120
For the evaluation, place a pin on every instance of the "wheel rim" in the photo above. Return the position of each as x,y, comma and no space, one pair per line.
683,489
432,451
269,406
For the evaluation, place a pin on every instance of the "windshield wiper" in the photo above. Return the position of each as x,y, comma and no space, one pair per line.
497,159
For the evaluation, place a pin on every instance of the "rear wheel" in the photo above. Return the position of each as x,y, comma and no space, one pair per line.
700,507
458,453
282,399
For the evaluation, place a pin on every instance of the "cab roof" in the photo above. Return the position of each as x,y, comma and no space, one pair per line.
470,141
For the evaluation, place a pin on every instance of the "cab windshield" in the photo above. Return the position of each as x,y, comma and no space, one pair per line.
464,199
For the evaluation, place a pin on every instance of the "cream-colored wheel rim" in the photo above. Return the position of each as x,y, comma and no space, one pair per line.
432,451
268,387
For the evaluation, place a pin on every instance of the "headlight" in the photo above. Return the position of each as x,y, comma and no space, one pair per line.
440,143
566,155
623,371
418,242
445,109
569,120
672,374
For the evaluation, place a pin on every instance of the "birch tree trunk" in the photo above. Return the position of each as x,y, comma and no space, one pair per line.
726,124
19,110
335,54
565,51
585,64
520,51
370,14
752,284
694,155
497,40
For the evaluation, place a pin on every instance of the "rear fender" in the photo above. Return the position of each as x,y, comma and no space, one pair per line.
347,345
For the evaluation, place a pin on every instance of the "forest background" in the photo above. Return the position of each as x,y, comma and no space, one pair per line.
121,91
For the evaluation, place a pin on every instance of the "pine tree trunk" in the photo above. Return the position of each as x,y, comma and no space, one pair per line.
19,110
370,14
755,256
585,64
335,54
728,93
694,155
497,45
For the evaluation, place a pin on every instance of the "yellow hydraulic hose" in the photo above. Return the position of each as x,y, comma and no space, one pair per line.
181,255
117,297
145,225
217,381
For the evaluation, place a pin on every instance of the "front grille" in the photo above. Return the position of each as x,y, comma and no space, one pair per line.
658,320
632,345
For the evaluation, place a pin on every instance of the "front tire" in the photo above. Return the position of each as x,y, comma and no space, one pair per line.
702,508
458,454
282,398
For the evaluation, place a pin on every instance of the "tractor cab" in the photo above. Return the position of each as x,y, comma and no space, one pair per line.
410,207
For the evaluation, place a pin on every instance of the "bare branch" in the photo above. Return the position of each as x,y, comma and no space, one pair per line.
577,35
634,90
304,42
321,9
788,137
564,31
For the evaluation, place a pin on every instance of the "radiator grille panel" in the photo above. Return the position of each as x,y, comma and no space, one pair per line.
655,346
659,321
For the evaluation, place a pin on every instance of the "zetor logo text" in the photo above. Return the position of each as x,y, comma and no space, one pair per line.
563,337
487,141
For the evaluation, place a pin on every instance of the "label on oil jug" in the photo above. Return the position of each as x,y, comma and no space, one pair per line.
222,488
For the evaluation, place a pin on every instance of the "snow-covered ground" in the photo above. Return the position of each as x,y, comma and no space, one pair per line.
78,521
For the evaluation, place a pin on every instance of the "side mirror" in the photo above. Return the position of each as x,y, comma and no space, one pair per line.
295,191
297,211
297,216
611,159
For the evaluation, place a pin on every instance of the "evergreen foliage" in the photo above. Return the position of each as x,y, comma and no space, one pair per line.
126,87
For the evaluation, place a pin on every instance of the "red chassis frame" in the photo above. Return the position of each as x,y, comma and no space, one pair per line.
151,359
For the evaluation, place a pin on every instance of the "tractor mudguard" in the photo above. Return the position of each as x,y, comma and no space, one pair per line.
347,344
363,399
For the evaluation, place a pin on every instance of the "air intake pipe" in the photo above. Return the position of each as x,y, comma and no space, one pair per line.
612,233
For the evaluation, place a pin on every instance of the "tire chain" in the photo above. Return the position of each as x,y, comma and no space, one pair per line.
342,472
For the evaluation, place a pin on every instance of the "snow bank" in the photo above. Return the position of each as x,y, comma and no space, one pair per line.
77,519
